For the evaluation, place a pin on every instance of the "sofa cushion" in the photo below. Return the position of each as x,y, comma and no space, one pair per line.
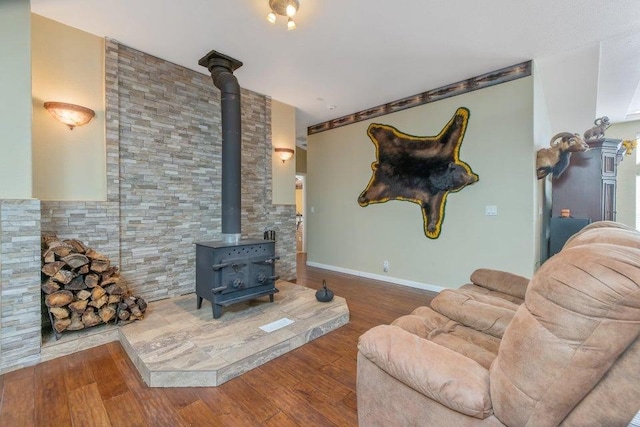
430,325
500,281
483,313
581,312
435,371
484,291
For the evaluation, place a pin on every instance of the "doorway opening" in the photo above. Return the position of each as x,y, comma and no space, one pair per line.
301,244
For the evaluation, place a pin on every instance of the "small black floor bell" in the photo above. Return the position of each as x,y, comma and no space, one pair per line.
229,273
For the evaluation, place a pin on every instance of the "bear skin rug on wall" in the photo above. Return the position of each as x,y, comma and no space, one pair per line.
419,169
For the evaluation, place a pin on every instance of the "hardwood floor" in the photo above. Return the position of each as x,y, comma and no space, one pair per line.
313,385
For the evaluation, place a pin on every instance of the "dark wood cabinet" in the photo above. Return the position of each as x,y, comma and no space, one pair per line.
588,186
562,229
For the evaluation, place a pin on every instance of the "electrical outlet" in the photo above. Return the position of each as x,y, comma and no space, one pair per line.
491,210
385,266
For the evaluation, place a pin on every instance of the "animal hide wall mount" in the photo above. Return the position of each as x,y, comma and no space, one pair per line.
419,169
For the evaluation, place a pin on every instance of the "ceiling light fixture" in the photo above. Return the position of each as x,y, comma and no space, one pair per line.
70,114
285,153
287,8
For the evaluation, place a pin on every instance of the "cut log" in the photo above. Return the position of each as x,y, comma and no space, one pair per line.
77,245
135,311
48,257
97,292
114,299
107,313
130,301
90,318
48,239
77,284
61,324
142,304
109,281
59,312
51,268
79,306
84,269
111,271
50,286
99,302
99,265
76,322
95,255
124,314
76,260
63,276
91,280
62,250
83,295
58,299
114,289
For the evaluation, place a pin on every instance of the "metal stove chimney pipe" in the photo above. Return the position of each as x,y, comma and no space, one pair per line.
221,68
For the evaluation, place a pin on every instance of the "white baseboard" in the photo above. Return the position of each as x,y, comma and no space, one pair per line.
394,280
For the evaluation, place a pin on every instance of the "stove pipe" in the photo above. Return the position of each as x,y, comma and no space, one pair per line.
221,68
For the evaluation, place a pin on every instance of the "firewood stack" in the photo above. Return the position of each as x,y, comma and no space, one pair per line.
82,289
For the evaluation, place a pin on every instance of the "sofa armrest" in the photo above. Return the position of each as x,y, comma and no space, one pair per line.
501,281
439,373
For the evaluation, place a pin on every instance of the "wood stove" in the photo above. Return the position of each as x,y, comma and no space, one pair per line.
232,270
230,273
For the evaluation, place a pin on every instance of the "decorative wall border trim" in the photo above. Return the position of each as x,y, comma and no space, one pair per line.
502,75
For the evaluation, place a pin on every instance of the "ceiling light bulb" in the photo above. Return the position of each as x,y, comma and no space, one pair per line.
271,17
291,10
291,25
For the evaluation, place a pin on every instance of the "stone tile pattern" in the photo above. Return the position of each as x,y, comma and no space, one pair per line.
170,168
19,283
112,119
180,346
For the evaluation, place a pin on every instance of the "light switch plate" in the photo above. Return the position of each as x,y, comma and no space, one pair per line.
491,210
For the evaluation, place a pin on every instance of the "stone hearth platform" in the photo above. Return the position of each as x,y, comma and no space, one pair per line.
177,345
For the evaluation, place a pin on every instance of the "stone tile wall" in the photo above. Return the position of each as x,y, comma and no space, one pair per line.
19,283
163,194
163,175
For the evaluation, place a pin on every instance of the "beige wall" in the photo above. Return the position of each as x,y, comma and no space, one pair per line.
627,172
301,160
68,66
498,146
283,134
15,107
541,136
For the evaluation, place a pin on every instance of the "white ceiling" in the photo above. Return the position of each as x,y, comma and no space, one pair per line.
356,54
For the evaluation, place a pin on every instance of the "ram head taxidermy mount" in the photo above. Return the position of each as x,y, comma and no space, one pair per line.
419,169
555,160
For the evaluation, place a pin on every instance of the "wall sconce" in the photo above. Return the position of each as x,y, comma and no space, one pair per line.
70,114
285,153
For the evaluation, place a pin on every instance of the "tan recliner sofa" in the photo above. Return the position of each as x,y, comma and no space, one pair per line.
560,349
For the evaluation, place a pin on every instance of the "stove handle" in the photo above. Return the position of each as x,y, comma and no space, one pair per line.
267,261
219,289
217,267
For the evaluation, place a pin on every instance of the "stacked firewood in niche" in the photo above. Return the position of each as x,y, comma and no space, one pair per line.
82,289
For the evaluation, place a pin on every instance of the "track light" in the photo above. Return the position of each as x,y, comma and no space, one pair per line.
287,8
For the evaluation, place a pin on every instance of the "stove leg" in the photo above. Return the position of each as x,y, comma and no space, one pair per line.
199,302
271,297
217,310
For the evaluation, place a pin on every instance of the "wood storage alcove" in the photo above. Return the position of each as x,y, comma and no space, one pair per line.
82,289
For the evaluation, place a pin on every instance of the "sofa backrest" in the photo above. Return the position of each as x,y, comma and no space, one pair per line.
604,232
581,313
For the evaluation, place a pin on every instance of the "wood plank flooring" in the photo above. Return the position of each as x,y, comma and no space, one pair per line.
314,385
